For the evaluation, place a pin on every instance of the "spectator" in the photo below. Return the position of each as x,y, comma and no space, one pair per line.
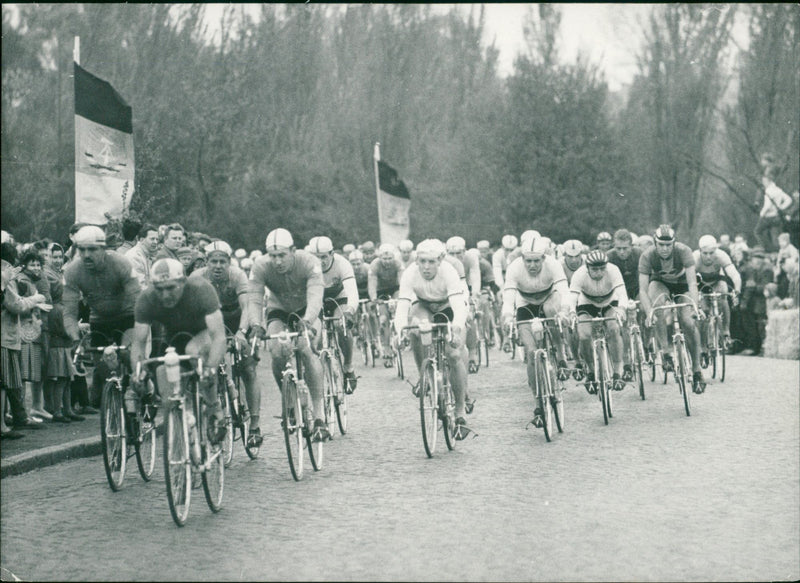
725,243
13,305
776,201
174,239
33,330
130,230
756,275
786,252
143,254
792,270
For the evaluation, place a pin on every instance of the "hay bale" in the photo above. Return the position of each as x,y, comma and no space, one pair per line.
783,334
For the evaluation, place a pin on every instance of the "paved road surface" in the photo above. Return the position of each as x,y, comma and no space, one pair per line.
653,496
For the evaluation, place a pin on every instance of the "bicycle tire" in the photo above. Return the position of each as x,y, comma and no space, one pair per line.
711,346
112,434
398,362
237,409
146,450
428,403
602,389
542,396
214,462
447,407
292,425
315,450
722,364
340,396
227,443
177,468
328,401
652,359
680,375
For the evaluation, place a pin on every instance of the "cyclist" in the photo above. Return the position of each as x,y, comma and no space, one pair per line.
714,268
106,282
470,264
604,241
431,289
500,258
383,283
340,298
490,292
230,283
626,257
189,310
294,280
347,249
535,287
406,252
368,249
528,235
667,270
361,272
598,290
572,258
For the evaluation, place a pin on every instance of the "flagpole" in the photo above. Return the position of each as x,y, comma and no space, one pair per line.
76,50
76,57
376,155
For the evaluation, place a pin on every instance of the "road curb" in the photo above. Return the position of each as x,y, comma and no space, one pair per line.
48,456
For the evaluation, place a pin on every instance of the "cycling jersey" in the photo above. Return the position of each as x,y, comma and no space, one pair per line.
383,279
500,263
567,271
334,277
600,293
445,287
361,274
533,289
301,286
487,274
671,270
230,288
629,268
714,271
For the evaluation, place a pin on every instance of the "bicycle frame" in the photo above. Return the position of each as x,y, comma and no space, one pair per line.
680,354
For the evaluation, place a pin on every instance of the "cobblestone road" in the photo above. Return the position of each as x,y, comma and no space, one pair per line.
653,496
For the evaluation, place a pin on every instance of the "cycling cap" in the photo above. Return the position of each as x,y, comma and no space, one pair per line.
482,244
167,269
356,254
183,251
321,245
509,241
432,248
456,244
90,235
240,253
529,234
279,238
246,263
255,254
6,237
367,246
348,249
534,247
707,243
406,245
387,249
573,248
642,239
604,236
665,234
596,258
218,247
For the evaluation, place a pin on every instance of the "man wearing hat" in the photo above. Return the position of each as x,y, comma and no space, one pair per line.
294,280
605,241
108,285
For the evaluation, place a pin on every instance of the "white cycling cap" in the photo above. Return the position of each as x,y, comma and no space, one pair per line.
356,254
456,244
484,244
406,245
279,238
573,248
255,254
240,253
348,249
167,269
431,248
90,235
386,249
509,241
218,247
321,245
707,243
246,263
534,247
529,234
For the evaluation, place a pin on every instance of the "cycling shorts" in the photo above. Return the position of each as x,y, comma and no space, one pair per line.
595,311
290,319
675,289
530,311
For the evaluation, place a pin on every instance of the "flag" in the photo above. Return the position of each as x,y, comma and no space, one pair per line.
103,150
393,204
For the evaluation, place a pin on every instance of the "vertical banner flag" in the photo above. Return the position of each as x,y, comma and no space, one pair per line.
103,150
394,202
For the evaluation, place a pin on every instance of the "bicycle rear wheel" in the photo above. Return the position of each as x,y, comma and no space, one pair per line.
146,449
214,463
112,433
292,425
428,403
177,468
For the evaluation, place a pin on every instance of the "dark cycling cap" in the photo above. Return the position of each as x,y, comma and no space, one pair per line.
596,258
665,233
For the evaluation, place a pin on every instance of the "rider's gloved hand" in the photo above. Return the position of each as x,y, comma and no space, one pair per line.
258,330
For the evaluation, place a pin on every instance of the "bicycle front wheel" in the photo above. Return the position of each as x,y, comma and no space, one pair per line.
428,405
112,433
681,375
339,396
292,424
543,390
214,468
398,362
227,443
239,413
177,467
329,391
447,407
146,449
602,387
315,450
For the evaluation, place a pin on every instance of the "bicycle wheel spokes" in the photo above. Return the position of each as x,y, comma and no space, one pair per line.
112,432
315,450
177,468
428,412
292,424
213,468
329,391
227,443
681,375
447,406
238,408
340,396
146,448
